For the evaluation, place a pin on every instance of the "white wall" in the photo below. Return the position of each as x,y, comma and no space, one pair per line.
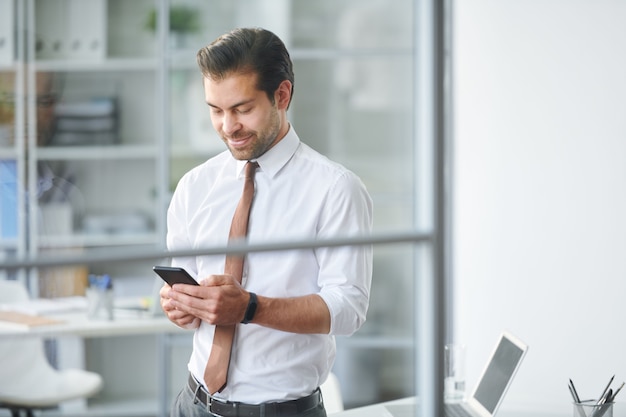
540,190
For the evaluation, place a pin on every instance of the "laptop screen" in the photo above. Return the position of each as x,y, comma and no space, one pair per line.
498,374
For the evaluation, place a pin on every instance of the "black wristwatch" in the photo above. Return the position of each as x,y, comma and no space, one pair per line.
247,318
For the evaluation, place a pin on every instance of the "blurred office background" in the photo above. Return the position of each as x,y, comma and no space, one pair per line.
103,111
535,169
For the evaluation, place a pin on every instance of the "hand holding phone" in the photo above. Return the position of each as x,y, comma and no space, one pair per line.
174,275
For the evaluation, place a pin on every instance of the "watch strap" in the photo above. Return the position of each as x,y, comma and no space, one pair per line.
251,309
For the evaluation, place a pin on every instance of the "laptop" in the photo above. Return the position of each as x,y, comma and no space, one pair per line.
491,387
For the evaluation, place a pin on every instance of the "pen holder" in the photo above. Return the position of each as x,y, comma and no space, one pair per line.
99,303
590,408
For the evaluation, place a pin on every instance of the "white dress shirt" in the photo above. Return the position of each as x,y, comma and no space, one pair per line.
299,194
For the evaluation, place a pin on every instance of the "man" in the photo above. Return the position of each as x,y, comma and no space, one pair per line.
303,298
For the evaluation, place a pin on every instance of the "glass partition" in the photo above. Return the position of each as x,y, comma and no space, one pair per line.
124,104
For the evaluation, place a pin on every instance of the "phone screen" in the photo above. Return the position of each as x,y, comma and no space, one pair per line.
174,275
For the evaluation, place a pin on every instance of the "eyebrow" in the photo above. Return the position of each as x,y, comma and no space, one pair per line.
241,103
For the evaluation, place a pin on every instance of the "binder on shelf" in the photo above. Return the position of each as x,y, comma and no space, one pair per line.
71,29
91,122
7,42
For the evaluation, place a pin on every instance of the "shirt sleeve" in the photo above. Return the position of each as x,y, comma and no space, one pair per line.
346,272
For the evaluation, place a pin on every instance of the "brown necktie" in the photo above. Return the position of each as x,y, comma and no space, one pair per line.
216,370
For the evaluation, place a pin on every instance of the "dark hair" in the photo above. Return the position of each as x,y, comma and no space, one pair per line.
244,50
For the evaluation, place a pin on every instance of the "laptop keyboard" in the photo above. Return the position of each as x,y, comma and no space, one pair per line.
455,410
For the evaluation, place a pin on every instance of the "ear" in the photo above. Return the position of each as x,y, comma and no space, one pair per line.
282,96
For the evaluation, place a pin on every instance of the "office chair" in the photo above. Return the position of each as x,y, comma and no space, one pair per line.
331,393
27,380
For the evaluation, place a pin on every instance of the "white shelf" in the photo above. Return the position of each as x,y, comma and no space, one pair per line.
8,243
94,240
7,66
179,151
67,153
106,65
8,153
186,59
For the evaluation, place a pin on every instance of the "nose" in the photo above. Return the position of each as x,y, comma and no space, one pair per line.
230,124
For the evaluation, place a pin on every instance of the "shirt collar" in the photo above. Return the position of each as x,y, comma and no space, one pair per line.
272,161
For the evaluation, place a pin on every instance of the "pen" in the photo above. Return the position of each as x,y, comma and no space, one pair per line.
601,406
604,392
576,397
573,394
615,393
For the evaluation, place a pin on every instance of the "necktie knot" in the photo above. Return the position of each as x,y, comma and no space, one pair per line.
250,169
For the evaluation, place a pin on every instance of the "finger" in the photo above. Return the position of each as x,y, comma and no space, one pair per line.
193,306
203,307
167,304
184,320
164,291
185,294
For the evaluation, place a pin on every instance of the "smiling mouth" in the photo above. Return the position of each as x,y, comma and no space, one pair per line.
239,142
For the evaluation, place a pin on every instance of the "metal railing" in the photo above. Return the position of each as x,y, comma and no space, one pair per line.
94,257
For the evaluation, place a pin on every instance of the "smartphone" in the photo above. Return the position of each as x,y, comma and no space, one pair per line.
174,275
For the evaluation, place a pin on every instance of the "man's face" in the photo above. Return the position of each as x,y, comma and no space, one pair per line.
243,116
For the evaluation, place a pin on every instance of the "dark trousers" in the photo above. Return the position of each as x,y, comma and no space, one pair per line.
184,407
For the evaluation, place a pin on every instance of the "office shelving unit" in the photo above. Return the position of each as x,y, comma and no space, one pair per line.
77,44
90,50
346,105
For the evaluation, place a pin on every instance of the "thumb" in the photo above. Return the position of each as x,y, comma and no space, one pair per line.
217,280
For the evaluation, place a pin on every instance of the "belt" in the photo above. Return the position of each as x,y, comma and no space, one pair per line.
237,409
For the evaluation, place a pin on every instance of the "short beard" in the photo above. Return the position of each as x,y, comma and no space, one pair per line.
263,140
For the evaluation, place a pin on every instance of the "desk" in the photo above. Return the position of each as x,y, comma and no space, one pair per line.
379,410
374,410
77,324
126,323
